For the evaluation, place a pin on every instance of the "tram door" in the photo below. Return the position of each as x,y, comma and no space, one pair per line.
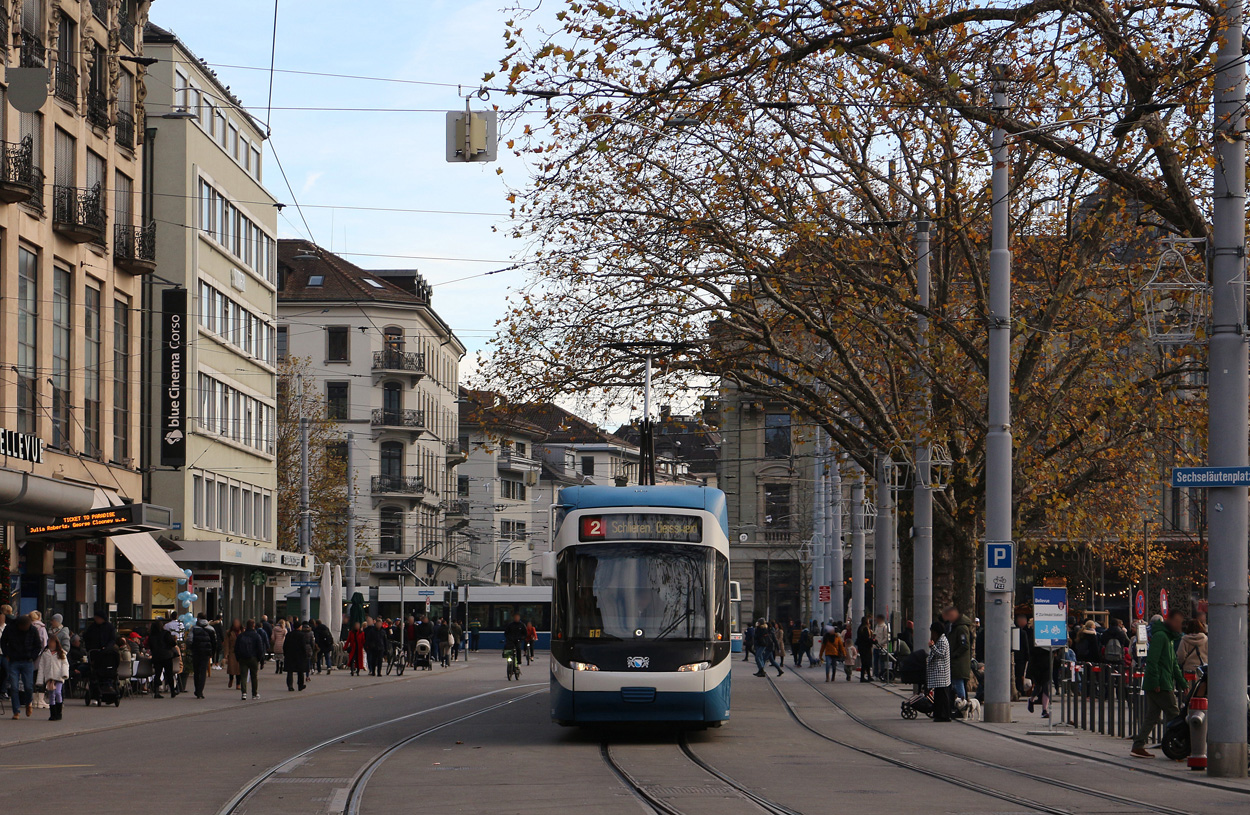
735,616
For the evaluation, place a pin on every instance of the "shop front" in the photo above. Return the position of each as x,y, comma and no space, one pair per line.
238,580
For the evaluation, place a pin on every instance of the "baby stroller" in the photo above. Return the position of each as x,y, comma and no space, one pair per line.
421,656
102,682
911,670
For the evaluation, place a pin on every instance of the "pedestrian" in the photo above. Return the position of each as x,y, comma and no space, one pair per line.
805,648
1086,646
60,631
297,651
36,620
1115,644
161,645
249,647
99,633
938,672
355,647
794,634
323,637
53,670
880,645
202,646
748,641
6,611
833,653
1162,677
1040,672
475,634
1192,651
1021,645
457,637
278,638
844,630
908,637
960,639
20,646
233,669
531,637
375,647
863,645
764,649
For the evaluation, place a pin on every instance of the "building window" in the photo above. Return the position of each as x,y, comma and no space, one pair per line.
588,465
210,505
337,349
512,530
777,435
391,531
519,448
62,338
392,453
338,404
462,486
512,488
197,500
27,340
394,338
121,379
777,506
91,373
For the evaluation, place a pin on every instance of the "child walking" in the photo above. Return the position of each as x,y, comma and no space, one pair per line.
53,669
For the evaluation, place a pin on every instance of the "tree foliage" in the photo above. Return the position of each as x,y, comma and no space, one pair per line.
740,178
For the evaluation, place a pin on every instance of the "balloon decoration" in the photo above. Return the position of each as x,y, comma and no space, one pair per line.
187,572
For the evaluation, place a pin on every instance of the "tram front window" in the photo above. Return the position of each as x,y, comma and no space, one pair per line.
631,591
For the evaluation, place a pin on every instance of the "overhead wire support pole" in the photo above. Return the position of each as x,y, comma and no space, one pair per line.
350,571
305,526
818,530
998,464
857,546
922,492
1227,405
833,543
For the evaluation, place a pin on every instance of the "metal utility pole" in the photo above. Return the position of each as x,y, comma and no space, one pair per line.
922,493
349,574
1226,402
305,526
857,546
883,550
818,530
998,491
833,543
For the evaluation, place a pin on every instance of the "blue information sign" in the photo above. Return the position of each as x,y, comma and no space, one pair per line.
1199,477
1050,617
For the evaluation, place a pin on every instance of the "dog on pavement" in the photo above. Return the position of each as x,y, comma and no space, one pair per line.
969,708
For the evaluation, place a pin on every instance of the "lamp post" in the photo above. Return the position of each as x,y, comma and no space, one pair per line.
922,495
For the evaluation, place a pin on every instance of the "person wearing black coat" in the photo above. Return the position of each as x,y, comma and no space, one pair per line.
161,645
375,647
324,640
1021,649
297,650
748,638
249,647
203,646
99,633
21,645
863,644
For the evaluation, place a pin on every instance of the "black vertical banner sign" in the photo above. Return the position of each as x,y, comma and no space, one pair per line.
173,418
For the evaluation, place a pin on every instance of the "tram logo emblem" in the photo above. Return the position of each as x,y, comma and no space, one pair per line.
637,662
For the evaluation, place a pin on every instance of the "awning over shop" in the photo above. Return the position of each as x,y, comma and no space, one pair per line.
147,556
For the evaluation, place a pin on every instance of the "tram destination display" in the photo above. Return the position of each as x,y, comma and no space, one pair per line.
638,526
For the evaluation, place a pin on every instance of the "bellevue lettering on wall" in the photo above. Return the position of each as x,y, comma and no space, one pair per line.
173,418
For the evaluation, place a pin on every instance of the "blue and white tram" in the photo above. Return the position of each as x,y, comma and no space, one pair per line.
640,628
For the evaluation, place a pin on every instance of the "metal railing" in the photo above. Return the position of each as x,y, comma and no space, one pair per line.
382,417
403,484
75,208
126,28
510,459
125,129
35,201
1104,698
97,108
135,242
18,165
392,360
458,507
33,55
100,8
66,85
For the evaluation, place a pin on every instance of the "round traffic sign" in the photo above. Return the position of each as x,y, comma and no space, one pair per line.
1163,602
1140,605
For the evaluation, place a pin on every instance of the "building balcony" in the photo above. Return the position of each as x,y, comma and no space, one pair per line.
126,28
403,363
412,420
125,131
98,109
18,180
79,215
100,8
35,202
511,460
134,248
456,454
33,55
397,485
458,508
66,85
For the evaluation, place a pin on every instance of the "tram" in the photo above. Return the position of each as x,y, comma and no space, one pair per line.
640,622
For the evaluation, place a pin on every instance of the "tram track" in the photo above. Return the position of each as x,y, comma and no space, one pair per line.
649,796
991,765
238,803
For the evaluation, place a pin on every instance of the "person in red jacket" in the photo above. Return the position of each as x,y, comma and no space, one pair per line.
355,648
531,637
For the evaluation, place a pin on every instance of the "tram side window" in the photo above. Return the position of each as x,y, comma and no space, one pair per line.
722,598
498,615
560,610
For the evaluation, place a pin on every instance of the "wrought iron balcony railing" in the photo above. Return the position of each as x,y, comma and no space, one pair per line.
33,55
392,360
35,201
134,247
125,129
79,215
414,419
126,28
397,484
66,85
17,179
97,108
458,507
100,8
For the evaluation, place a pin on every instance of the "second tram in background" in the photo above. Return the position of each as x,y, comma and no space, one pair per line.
640,620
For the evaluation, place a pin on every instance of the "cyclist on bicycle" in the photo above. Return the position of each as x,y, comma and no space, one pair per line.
531,637
514,636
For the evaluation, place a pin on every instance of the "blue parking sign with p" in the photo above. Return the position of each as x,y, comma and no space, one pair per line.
1000,573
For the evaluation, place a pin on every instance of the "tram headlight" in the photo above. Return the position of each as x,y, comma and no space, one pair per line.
694,666
584,666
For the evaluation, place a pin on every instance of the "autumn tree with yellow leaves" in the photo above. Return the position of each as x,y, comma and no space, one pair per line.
740,179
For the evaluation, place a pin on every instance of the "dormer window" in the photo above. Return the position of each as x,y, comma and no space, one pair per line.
316,280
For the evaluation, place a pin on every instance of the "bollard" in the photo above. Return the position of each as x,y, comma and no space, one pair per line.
1197,719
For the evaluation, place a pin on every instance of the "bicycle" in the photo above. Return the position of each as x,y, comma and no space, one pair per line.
394,659
513,658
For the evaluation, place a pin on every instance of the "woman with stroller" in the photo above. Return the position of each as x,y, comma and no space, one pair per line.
939,672
53,670
832,653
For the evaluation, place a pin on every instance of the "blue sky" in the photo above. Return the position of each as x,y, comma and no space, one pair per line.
350,159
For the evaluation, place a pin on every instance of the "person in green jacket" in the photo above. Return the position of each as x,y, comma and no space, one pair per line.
1163,676
959,634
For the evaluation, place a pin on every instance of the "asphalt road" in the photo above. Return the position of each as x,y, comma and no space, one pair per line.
463,740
